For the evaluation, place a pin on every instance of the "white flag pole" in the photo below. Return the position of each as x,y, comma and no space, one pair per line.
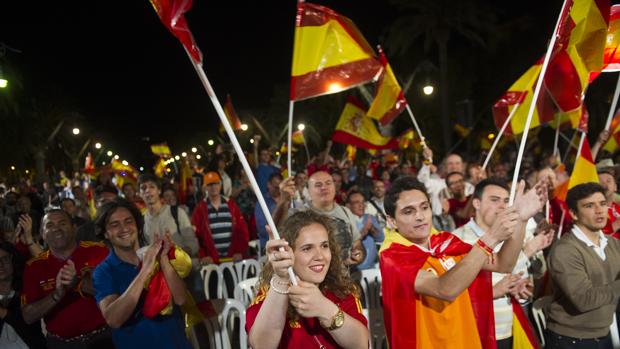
244,162
289,165
499,135
541,78
556,150
417,127
614,103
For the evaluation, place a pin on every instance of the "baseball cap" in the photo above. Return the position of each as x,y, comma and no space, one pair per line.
211,177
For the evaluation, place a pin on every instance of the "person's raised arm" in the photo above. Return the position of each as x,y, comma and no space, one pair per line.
117,309
603,137
287,192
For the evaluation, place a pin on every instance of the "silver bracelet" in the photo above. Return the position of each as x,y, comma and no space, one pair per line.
273,283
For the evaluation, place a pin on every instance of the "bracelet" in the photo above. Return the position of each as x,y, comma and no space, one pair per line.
273,284
487,250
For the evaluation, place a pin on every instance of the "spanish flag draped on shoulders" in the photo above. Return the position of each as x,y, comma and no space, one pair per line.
417,321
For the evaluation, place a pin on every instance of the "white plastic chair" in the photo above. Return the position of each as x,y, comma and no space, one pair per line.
238,271
245,291
247,268
233,310
371,291
213,334
615,338
255,244
539,316
206,273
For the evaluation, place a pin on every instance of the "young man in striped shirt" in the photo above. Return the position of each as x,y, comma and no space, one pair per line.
220,227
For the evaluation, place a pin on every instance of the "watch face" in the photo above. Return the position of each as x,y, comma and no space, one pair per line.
339,321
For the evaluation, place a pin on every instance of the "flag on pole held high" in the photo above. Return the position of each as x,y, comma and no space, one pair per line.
584,170
172,15
298,137
231,114
389,99
357,129
161,149
577,53
329,55
611,53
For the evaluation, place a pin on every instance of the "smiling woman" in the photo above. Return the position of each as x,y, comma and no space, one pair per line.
323,309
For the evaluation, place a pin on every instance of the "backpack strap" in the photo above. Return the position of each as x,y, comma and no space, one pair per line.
174,210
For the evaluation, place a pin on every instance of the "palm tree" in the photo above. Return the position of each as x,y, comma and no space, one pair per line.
436,22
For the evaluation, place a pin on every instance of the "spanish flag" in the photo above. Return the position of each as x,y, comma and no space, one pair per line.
611,54
329,55
389,99
231,115
160,167
614,138
172,15
298,137
357,129
413,320
161,149
584,170
523,336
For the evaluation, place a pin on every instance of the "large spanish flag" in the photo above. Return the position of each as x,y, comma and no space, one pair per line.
611,53
413,320
357,129
329,55
389,99
172,15
523,336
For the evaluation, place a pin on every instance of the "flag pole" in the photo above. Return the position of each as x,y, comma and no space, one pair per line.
541,78
570,145
417,128
583,137
499,136
291,107
244,161
614,103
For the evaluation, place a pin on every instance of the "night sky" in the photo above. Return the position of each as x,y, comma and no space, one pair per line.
119,66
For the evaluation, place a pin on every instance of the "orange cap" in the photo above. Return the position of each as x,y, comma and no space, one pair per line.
211,177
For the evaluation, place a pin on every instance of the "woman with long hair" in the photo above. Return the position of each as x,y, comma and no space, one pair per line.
14,332
323,309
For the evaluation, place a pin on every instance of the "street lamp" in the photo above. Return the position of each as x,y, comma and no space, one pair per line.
12,168
183,154
428,90
3,82
141,169
177,158
124,162
244,127
76,131
194,149
110,153
98,145
116,157
210,142
198,157
301,127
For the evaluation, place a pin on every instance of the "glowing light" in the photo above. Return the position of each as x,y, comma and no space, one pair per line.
428,90
168,170
277,153
12,168
124,162
103,162
194,149
210,142
177,157
4,83
198,157
110,153
76,131
244,127
116,157
491,136
334,86
252,140
27,172
141,168
98,145
183,154
301,127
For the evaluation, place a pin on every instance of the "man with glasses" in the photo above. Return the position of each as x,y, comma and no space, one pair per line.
58,287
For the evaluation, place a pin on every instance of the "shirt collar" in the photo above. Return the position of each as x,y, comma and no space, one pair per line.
579,234
475,227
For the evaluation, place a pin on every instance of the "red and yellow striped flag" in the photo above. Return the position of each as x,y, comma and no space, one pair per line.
584,170
231,115
611,54
523,336
389,99
329,55
298,137
160,167
161,149
357,129
614,138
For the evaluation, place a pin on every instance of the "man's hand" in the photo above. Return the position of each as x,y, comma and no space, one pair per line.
504,286
603,137
151,255
287,189
544,236
25,229
522,289
530,203
427,153
257,139
503,228
66,278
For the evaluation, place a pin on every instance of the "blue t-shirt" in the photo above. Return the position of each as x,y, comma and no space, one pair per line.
263,172
113,276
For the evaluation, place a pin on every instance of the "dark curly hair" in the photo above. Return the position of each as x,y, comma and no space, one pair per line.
337,279
105,212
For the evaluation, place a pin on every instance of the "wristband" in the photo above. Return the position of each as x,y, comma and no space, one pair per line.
487,250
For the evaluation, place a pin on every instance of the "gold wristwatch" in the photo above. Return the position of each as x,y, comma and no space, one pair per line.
337,321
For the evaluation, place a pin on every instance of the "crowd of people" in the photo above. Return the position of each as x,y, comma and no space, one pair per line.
94,262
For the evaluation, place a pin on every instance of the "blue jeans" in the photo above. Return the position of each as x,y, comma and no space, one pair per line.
556,341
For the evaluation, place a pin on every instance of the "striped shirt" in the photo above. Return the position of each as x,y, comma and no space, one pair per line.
220,223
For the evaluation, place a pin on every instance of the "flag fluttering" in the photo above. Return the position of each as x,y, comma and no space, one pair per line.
389,99
584,170
405,139
611,53
357,129
298,137
172,15
161,149
231,114
160,168
329,55
523,336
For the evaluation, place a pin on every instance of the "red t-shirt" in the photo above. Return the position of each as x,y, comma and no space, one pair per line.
456,205
73,315
305,332
613,213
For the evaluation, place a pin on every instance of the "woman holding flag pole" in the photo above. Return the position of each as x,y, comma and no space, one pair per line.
323,309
